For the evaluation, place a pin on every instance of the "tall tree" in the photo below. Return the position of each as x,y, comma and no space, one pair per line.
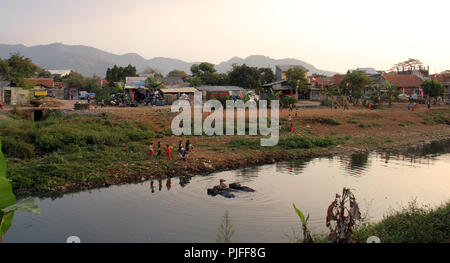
354,85
177,73
4,69
296,79
207,73
433,88
76,80
153,83
118,74
266,75
195,81
245,76
20,68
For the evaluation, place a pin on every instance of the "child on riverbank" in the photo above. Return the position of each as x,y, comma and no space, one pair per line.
159,150
150,148
183,154
168,152
180,146
188,145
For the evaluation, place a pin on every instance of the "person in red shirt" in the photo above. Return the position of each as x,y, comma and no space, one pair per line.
168,152
292,127
151,150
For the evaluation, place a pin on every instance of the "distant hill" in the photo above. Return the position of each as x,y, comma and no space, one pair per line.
88,60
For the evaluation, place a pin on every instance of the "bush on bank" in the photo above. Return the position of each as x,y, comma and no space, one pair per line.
412,224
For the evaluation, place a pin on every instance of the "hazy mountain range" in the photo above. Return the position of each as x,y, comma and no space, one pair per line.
88,60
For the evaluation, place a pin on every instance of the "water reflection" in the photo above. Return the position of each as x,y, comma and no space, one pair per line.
184,180
418,154
356,164
251,171
169,183
292,167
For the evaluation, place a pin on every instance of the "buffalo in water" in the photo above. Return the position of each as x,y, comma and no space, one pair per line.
227,192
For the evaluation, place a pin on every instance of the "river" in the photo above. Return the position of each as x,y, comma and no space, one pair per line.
177,211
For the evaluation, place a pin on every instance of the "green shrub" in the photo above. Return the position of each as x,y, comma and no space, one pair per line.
17,149
223,100
288,100
241,142
411,225
296,141
441,119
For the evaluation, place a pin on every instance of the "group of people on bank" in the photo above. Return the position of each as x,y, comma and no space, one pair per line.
182,151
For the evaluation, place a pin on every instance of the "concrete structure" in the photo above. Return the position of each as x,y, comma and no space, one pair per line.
15,96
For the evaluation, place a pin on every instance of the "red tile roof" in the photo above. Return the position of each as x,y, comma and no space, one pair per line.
47,82
59,84
404,81
442,78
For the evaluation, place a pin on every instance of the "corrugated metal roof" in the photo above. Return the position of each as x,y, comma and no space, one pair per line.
179,90
135,79
274,83
220,88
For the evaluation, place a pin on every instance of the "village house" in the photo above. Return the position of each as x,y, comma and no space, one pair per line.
213,92
172,94
408,84
280,83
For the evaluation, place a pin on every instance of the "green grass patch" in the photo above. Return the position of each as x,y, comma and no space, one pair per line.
441,119
70,148
411,225
288,142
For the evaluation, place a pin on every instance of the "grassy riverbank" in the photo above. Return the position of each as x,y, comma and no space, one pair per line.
71,152
413,224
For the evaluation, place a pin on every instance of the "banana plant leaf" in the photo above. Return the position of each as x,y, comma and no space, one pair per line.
7,198
300,214
26,205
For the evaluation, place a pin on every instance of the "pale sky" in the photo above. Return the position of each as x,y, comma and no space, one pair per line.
331,35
